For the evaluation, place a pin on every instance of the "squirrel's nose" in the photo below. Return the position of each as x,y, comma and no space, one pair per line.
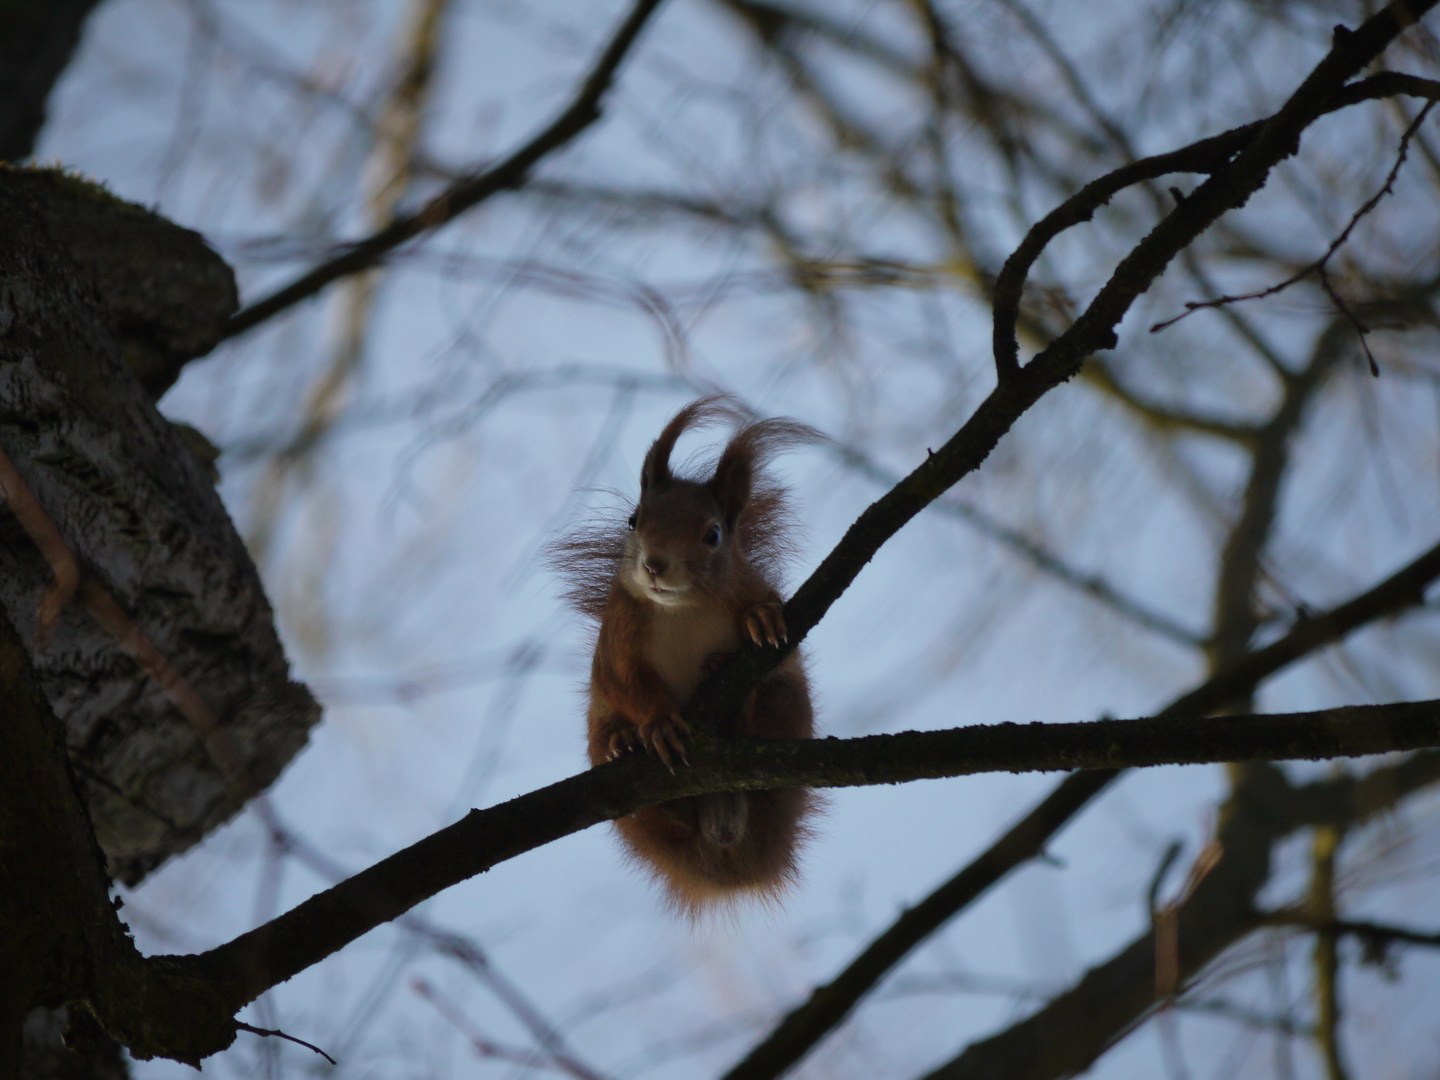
655,566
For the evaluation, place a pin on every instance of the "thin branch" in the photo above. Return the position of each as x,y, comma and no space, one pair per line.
464,950
466,192
1212,156
1319,266
1026,548
1236,619
1374,937
387,176
1377,935
1117,136
489,1048
1164,417
1165,919
240,1025
770,19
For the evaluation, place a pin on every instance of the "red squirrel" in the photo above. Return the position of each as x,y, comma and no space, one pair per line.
687,581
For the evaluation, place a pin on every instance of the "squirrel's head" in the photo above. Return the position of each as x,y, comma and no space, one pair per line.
688,534
680,544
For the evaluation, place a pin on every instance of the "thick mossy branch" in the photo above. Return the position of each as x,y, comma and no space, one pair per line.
160,289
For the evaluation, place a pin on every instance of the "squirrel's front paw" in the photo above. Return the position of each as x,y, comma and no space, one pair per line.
765,623
662,737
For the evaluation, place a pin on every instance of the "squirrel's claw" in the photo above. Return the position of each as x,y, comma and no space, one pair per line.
765,623
623,742
662,738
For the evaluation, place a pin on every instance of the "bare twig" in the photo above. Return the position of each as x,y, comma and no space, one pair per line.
240,1025
1209,156
458,947
1320,266
1375,937
1067,1035
1029,550
1166,918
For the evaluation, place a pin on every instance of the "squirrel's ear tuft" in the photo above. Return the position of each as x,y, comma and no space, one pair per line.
734,478
655,472
746,456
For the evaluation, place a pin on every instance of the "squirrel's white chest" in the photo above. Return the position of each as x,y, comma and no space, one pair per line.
680,641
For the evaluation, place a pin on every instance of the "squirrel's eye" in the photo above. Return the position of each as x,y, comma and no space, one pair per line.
631,523
712,536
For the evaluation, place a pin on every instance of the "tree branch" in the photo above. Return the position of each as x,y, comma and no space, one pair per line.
1236,618
1209,156
1036,554
1230,187
1375,937
804,1026
1068,1034
1318,267
466,192
270,954
1325,958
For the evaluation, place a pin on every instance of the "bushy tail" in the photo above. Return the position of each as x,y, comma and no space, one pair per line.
698,874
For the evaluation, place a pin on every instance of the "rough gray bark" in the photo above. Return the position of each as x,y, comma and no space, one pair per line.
37,38
101,302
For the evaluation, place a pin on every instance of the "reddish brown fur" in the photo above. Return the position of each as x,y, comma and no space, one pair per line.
669,606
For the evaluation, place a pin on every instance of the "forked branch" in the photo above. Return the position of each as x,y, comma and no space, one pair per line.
1209,156
1239,173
